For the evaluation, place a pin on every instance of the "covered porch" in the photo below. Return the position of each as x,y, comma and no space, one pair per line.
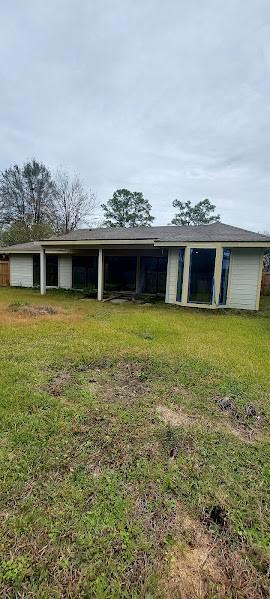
205,275
107,271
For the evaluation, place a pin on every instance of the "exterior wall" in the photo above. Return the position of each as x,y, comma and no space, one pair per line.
245,278
65,272
172,274
21,270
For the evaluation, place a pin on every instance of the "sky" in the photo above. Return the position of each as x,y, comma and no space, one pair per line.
171,98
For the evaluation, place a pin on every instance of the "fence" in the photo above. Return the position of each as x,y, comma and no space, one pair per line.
4,273
265,282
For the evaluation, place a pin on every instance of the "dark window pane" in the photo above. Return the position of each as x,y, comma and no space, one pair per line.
84,272
51,271
162,274
154,274
201,275
36,270
224,276
120,273
180,274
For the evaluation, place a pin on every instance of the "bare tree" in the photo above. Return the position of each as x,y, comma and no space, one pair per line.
26,195
73,205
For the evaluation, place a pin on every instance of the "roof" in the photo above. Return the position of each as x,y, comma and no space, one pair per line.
30,246
216,232
203,233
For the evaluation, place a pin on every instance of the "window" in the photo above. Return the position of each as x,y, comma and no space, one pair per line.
84,272
180,274
51,271
201,275
224,276
120,273
36,270
154,273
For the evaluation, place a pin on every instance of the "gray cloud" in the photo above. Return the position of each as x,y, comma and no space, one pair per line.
169,98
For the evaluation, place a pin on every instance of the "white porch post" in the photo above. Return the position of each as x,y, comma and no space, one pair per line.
138,274
186,276
100,274
42,271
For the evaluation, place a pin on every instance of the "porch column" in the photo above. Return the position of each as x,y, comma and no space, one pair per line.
217,275
186,276
100,275
42,271
138,275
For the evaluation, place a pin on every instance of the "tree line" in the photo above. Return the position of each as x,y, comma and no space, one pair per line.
35,204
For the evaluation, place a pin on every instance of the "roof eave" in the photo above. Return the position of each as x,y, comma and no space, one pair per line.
229,244
78,242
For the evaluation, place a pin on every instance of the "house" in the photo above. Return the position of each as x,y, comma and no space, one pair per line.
211,266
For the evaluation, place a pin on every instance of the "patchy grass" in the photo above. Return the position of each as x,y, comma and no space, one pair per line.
121,476
32,310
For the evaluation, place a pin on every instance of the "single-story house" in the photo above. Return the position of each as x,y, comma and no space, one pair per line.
211,266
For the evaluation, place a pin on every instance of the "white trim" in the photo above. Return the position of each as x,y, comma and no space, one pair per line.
37,252
98,242
42,272
201,306
59,245
213,244
258,295
185,284
100,275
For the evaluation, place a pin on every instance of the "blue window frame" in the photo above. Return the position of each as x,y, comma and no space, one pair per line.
181,256
224,276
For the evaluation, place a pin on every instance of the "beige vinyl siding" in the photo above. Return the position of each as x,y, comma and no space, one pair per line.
172,274
21,270
244,278
65,272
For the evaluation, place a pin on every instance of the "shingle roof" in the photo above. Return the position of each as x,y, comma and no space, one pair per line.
30,246
201,233
204,233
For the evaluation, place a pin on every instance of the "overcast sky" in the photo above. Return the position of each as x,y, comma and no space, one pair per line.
171,98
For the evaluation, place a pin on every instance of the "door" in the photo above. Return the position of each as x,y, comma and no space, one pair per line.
201,275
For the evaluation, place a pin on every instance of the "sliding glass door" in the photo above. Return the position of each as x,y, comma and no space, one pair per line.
201,275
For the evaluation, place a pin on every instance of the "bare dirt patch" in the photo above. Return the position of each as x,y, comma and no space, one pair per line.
33,310
174,418
194,570
201,566
58,383
244,432
120,382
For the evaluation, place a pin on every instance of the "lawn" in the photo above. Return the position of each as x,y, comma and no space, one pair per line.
134,450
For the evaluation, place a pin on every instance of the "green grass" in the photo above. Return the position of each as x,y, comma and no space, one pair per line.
89,493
